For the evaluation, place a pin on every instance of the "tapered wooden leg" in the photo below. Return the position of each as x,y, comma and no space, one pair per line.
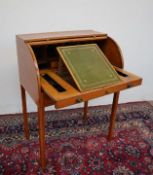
41,123
25,114
113,115
85,110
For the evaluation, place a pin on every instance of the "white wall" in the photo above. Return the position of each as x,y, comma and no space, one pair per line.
128,22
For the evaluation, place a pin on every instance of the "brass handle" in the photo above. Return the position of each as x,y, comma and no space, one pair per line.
79,100
129,85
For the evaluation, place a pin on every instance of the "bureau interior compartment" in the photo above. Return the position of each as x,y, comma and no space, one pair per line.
48,58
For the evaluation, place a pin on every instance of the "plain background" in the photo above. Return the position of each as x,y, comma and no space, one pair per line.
129,22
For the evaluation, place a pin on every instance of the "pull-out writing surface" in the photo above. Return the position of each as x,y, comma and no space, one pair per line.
71,95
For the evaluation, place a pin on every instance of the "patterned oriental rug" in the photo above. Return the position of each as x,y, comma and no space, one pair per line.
77,148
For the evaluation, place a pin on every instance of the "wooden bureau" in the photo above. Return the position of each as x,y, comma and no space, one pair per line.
37,56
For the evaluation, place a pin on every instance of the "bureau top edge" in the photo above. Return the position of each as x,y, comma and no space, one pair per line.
35,37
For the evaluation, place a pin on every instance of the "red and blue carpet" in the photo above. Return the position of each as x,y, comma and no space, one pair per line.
75,148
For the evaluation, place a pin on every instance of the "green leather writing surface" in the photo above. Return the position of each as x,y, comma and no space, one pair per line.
88,66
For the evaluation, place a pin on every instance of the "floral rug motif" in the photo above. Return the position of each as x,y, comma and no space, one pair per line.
75,147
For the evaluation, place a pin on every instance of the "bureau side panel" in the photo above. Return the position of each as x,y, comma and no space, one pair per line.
28,69
112,52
